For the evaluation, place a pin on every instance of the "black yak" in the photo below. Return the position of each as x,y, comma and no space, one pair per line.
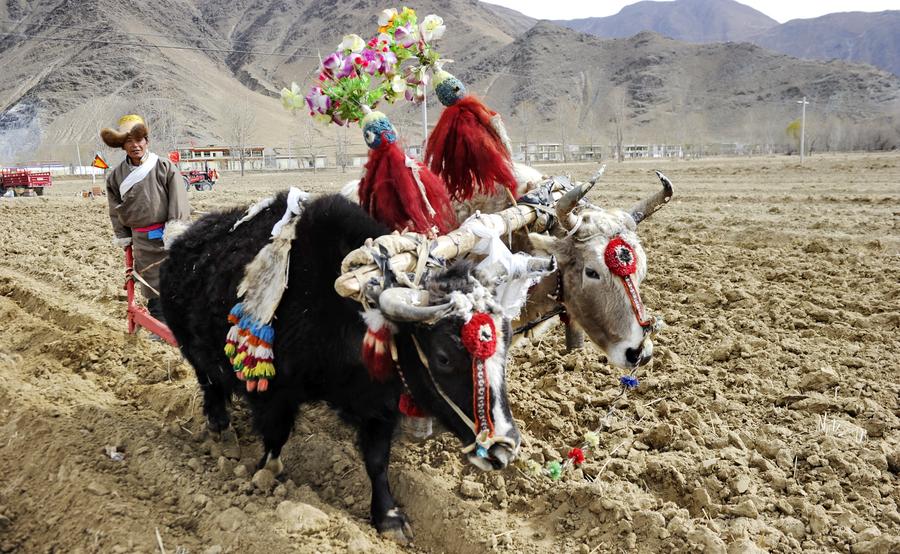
318,338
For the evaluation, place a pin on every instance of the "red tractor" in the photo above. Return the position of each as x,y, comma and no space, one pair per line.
200,179
23,182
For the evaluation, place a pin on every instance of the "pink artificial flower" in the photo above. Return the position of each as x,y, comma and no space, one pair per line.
405,36
318,101
346,68
333,62
388,62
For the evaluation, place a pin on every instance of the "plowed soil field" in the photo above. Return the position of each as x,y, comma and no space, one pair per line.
769,419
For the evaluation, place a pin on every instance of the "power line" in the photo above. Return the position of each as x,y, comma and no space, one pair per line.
107,29
154,46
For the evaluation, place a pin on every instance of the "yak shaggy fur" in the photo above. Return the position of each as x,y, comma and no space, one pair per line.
318,337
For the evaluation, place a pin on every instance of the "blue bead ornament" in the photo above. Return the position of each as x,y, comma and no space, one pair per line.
629,381
450,90
377,130
481,452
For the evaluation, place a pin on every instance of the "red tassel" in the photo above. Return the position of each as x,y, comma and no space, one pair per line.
376,353
466,151
388,192
408,406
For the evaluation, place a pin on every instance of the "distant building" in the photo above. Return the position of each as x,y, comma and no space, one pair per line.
633,151
286,158
222,158
587,153
538,152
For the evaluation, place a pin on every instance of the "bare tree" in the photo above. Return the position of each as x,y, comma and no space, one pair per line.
241,130
522,111
342,158
563,133
311,133
618,112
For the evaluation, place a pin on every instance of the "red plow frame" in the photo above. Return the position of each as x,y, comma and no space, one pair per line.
138,316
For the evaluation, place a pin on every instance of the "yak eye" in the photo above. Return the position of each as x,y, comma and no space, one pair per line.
442,359
591,273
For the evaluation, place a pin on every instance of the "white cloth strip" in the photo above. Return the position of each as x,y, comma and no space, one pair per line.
413,165
295,200
138,174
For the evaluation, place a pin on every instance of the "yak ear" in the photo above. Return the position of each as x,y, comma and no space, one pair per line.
543,244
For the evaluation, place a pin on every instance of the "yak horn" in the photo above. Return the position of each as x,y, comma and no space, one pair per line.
569,201
646,207
403,304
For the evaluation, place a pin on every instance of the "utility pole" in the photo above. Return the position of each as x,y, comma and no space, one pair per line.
424,124
802,127
78,154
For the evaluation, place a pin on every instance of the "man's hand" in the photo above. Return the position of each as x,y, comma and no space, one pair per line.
122,242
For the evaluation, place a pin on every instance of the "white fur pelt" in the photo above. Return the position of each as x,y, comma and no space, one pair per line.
265,278
527,178
350,191
173,229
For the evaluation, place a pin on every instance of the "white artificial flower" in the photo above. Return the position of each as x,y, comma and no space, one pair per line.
292,99
398,84
432,27
353,43
385,17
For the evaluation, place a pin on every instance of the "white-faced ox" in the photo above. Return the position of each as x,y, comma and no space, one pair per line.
318,338
591,296
601,265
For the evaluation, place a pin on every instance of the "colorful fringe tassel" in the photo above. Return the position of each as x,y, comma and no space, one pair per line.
248,346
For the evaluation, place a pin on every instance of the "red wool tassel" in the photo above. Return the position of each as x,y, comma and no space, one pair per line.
389,192
466,151
479,336
376,347
376,354
408,406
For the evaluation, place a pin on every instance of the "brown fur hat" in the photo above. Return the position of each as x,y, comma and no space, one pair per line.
130,126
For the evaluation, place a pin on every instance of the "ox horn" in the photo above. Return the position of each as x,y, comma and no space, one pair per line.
646,207
569,201
403,304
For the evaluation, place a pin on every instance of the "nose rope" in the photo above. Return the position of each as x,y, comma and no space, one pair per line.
637,306
621,260
484,438
462,415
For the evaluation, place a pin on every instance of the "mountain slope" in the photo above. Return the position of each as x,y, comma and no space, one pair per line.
872,38
669,91
193,66
687,20
69,72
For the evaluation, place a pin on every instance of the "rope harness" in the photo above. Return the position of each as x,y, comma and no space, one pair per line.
479,336
621,260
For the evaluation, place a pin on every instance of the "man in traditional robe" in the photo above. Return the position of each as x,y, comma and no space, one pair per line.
148,203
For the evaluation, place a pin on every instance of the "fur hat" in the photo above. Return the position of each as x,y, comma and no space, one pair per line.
130,126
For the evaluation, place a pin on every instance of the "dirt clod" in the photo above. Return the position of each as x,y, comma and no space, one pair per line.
298,517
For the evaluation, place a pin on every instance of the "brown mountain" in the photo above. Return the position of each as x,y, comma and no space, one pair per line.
872,38
195,67
570,86
687,20
68,72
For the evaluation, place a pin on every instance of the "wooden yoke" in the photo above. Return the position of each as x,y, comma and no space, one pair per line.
358,267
